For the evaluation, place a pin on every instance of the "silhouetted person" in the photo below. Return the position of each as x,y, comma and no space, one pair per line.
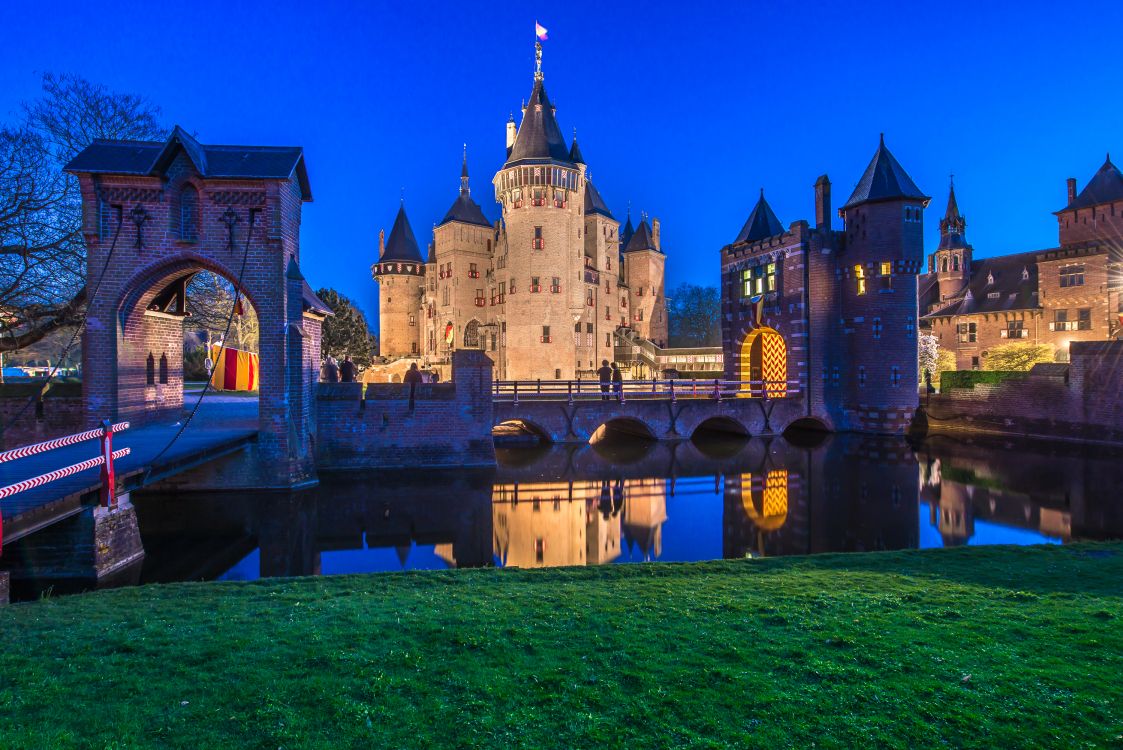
605,375
413,377
347,370
436,376
330,371
618,382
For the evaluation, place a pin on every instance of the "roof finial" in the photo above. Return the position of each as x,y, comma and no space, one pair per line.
403,196
883,140
464,173
762,193
951,180
1108,157
538,61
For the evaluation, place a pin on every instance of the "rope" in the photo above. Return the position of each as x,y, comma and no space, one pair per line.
78,330
221,349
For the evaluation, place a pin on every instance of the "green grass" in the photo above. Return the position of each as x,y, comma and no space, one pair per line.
984,647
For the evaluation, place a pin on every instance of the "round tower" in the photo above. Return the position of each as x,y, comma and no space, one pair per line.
541,192
400,274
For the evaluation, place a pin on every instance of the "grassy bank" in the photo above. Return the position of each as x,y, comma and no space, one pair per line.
1003,647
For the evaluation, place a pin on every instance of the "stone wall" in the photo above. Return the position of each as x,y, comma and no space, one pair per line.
374,426
1080,401
25,423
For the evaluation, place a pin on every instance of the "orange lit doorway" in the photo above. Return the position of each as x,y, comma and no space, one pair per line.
764,357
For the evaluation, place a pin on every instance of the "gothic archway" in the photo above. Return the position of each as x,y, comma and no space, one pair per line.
764,363
472,334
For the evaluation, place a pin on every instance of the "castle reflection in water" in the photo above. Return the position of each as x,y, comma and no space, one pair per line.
632,502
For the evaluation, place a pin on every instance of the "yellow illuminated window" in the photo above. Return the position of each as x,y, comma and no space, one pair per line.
886,268
860,275
770,275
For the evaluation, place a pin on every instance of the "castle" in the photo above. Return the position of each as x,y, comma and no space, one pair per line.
543,289
832,313
1053,296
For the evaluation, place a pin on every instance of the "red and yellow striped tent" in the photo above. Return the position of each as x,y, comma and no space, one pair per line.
234,370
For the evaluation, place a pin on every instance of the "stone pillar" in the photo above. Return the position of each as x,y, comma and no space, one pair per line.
471,374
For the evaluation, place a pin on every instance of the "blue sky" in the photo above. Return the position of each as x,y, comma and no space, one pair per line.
685,110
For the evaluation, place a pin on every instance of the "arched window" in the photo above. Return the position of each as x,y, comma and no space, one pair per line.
188,213
945,265
150,370
164,369
472,335
955,262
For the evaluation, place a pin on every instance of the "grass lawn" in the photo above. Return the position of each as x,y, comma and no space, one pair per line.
985,647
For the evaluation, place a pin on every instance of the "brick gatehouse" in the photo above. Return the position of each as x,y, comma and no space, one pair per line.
177,208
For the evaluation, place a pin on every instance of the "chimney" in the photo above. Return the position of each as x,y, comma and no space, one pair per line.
655,234
381,243
823,203
1071,190
511,130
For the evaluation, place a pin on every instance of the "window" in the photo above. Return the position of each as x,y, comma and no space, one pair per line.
512,286
769,278
955,262
534,285
1015,329
912,214
473,272
503,334
480,301
412,319
945,265
861,377
608,313
188,213
886,274
608,339
589,297
860,275
968,332
150,370
974,363
539,243
502,291
538,199
1072,275
444,296
895,376
876,328
577,334
555,285
1084,319
103,222
546,335
639,314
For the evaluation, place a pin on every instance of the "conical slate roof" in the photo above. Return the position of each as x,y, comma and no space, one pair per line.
464,209
539,139
761,224
594,204
884,180
953,226
402,245
1106,186
627,232
575,155
641,240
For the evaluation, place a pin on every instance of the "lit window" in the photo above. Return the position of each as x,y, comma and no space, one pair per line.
886,268
1072,275
860,275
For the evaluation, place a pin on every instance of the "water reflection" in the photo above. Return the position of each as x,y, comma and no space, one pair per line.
579,505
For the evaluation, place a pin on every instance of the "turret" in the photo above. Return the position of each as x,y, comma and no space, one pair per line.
644,266
952,260
400,274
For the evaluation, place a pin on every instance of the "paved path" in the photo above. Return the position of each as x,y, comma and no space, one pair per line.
220,426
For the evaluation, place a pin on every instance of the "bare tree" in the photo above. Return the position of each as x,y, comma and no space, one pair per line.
42,251
210,300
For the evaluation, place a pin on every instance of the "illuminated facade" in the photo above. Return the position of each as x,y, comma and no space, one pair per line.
543,289
1054,296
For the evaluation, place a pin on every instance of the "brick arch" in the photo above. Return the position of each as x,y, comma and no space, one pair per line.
629,425
763,355
141,288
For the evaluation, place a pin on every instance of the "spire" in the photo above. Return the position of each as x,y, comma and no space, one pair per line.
761,224
575,154
538,61
464,190
953,226
538,139
641,239
884,180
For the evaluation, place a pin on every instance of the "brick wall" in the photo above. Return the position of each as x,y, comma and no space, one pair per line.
1083,401
26,424
372,426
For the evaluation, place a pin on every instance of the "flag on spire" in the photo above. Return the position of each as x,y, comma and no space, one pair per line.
540,31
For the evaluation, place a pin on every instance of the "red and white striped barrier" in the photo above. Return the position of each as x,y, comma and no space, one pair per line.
62,442
39,481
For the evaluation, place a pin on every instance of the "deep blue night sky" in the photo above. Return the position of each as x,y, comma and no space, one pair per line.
684,110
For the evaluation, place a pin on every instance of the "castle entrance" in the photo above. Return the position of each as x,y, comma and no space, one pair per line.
764,363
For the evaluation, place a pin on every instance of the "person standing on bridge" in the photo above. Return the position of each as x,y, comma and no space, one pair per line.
413,377
617,382
330,371
605,375
347,370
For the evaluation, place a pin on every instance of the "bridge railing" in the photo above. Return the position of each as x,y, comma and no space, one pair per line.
105,460
514,391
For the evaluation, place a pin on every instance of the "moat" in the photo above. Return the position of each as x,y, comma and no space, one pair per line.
628,501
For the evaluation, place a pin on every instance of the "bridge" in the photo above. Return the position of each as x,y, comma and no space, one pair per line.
561,411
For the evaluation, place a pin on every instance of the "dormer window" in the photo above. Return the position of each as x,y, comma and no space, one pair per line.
990,278
1025,274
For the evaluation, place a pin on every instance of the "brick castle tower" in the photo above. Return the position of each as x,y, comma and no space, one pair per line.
400,273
